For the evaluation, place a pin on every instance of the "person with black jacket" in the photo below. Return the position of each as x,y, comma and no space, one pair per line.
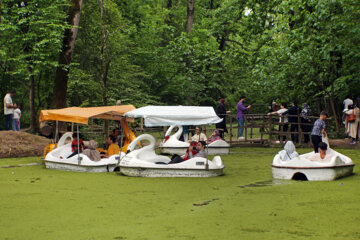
221,112
293,113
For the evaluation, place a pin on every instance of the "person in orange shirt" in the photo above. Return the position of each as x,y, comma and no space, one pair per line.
113,147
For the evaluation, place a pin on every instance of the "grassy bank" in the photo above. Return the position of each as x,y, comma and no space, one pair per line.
36,203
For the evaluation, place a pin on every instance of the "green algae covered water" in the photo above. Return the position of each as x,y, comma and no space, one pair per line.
38,203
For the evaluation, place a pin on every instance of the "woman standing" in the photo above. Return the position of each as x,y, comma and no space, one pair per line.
221,112
352,123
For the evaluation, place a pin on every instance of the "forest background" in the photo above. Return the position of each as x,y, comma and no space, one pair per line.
188,52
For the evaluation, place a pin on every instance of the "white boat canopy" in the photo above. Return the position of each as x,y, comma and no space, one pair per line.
175,115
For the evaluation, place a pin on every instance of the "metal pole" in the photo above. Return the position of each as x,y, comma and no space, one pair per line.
121,140
78,143
56,131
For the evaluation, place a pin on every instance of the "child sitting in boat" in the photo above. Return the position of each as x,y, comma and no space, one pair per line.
91,151
214,137
75,144
289,152
200,152
321,156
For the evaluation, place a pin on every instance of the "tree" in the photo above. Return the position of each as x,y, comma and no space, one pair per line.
30,40
68,45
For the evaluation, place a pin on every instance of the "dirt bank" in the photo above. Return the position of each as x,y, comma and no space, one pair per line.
21,144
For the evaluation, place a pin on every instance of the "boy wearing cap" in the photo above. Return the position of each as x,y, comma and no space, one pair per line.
318,131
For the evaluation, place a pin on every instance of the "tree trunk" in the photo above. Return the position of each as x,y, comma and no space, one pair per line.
331,99
61,78
190,15
105,63
33,118
169,4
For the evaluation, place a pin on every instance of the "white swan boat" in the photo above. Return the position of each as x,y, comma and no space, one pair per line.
57,158
303,167
172,145
144,162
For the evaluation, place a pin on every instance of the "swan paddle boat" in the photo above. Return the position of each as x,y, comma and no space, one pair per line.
172,145
287,164
144,162
58,158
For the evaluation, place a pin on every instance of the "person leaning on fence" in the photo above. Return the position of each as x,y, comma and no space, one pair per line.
305,116
293,112
221,112
352,123
284,126
318,131
240,116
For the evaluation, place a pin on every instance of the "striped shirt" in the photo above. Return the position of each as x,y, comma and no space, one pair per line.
319,125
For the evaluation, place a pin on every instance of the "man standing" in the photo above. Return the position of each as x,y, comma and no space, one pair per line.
9,109
240,117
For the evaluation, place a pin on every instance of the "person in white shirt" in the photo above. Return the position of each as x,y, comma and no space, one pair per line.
16,118
283,120
346,104
9,109
199,136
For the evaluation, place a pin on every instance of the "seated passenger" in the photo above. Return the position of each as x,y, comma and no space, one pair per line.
75,144
198,136
113,147
199,153
289,152
321,156
91,151
214,136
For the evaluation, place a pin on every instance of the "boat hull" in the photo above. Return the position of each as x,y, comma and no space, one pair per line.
79,168
313,173
162,172
181,150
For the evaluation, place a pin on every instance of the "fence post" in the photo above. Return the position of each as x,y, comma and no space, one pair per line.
281,132
299,127
231,128
245,126
270,128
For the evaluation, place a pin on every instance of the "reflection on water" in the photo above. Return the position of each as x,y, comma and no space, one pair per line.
271,182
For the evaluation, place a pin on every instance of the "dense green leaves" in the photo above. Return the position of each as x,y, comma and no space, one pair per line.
267,50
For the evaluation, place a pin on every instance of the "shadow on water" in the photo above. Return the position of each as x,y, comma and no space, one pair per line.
267,183
21,165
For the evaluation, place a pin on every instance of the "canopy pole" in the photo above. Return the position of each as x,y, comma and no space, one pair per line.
78,143
56,131
207,163
121,142
72,127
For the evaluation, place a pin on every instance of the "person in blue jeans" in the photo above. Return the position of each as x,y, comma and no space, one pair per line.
240,117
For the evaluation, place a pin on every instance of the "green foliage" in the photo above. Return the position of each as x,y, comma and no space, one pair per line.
262,49
31,36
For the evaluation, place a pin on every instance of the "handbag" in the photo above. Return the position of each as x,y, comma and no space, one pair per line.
351,118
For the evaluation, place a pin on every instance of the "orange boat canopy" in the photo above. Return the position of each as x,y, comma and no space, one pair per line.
82,115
